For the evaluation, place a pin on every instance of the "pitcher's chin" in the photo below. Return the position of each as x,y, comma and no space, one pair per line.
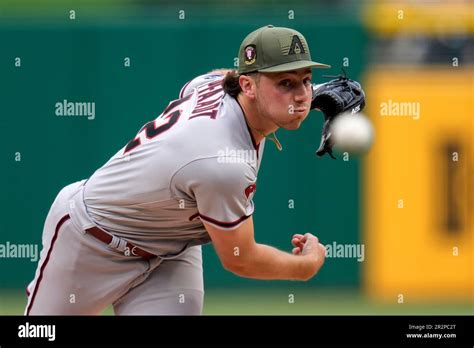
294,125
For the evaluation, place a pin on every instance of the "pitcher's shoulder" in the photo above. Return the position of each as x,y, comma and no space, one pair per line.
200,80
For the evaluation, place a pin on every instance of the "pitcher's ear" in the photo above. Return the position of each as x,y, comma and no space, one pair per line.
247,85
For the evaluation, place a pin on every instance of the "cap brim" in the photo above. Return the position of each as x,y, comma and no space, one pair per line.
301,64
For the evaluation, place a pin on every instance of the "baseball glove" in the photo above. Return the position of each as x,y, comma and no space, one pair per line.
333,98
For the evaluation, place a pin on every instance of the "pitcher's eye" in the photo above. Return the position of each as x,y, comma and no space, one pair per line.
285,83
307,81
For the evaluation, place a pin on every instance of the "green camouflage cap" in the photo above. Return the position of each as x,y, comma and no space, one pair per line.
275,49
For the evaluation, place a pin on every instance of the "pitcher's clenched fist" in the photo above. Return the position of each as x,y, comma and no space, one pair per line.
308,244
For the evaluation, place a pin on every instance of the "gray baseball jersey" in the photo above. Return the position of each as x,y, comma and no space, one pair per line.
196,161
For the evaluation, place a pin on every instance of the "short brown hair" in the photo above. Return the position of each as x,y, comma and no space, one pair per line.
231,83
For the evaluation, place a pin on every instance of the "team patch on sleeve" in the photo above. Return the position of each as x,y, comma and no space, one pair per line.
250,191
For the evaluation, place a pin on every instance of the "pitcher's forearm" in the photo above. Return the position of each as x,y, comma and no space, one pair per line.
266,262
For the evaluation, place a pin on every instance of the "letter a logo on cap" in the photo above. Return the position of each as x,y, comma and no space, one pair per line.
296,46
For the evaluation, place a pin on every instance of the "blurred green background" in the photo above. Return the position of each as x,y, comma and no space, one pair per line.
82,59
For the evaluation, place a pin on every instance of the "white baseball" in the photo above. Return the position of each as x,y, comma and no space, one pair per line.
352,133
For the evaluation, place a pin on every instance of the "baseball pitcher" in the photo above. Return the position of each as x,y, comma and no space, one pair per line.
131,234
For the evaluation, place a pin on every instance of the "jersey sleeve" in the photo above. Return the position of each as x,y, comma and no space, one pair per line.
189,87
223,191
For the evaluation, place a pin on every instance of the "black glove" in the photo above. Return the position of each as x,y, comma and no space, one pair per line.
333,98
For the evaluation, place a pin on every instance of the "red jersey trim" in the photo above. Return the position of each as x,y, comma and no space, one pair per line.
43,266
224,224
